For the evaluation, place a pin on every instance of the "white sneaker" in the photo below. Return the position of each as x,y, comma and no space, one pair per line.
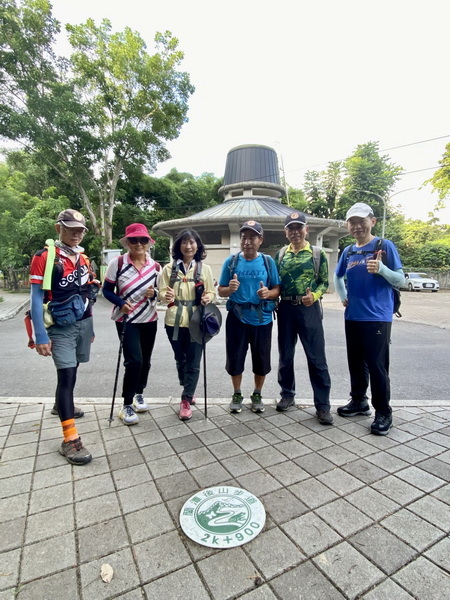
128,416
139,404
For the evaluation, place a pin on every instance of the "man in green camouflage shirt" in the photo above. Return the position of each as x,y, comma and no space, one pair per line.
303,272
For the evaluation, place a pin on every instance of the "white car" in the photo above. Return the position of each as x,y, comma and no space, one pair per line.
416,282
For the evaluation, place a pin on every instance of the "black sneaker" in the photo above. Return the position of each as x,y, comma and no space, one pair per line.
78,413
324,416
354,408
381,425
285,404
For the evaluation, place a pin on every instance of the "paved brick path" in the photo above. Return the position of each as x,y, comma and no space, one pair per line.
349,514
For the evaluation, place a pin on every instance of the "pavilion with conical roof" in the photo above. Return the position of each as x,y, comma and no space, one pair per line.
251,190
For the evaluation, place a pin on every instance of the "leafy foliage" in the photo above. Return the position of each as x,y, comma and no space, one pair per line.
111,105
26,220
441,179
365,176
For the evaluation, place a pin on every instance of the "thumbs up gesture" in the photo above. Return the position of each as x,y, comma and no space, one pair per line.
234,283
263,291
308,298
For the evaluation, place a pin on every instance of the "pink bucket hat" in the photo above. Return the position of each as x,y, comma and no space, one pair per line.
135,230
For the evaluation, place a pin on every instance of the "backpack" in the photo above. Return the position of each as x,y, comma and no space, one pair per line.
233,263
379,248
264,305
120,266
316,258
199,289
199,285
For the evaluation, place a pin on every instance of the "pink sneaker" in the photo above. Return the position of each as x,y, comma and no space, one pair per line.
185,409
192,400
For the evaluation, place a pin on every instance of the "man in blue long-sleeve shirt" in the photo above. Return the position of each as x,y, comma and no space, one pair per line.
364,278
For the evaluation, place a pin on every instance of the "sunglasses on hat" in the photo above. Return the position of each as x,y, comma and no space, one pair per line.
138,240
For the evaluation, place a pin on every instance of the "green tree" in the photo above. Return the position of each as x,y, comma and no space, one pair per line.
366,171
150,200
322,190
313,191
422,245
26,220
110,105
441,180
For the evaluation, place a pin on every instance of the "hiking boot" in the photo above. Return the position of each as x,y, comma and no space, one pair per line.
353,408
75,452
128,416
185,409
257,403
139,404
285,404
77,411
236,403
324,416
381,424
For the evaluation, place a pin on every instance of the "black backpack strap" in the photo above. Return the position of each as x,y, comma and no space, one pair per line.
174,274
232,264
119,269
198,271
268,269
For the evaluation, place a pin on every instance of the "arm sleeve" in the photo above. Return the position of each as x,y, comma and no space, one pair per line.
37,315
109,294
395,278
340,287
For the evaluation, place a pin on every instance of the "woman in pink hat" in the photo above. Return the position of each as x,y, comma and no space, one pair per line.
130,284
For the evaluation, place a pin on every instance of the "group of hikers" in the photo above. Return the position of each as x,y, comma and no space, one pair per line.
64,288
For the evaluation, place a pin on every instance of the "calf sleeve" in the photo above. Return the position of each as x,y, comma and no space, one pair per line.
64,392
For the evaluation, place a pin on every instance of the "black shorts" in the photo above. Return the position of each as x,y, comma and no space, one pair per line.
239,336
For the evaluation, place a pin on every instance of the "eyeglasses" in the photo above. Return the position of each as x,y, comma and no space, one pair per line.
75,230
138,240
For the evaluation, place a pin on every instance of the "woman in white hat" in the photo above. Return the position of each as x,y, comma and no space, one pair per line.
131,285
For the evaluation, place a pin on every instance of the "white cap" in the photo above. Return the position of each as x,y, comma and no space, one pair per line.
359,210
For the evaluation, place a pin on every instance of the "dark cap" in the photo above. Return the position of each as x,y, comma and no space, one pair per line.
295,217
253,225
71,218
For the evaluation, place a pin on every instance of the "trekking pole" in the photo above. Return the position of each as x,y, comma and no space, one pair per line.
204,358
125,318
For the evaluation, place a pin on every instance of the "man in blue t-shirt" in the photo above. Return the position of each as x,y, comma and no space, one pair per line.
250,281
363,279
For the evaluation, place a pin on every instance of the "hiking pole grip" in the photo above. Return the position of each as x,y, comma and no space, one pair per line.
125,318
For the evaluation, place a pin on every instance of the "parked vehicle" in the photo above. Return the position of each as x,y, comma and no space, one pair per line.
416,282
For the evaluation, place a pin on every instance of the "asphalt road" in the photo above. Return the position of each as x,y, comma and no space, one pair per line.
419,363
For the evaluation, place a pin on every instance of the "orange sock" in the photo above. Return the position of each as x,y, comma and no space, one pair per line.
69,430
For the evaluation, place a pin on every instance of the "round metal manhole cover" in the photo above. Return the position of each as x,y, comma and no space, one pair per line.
222,517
